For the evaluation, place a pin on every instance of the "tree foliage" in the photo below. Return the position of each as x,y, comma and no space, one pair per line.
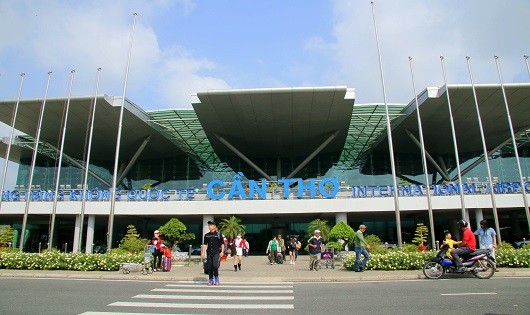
231,227
421,234
342,231
132,242
321,225
6,235
174,231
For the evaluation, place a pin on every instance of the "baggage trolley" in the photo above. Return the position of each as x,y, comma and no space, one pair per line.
145,268
327,257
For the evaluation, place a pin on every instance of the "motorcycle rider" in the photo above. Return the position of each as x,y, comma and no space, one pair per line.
467,246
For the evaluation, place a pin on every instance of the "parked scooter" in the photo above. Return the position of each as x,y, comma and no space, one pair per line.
480,263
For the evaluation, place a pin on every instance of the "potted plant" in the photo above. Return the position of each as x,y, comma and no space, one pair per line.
420,236
6,236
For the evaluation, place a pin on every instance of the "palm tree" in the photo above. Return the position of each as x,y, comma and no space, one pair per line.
231,227
321,225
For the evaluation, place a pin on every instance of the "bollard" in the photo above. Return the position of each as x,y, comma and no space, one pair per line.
92,249
40,245
189,255
437,245
9,244
65,247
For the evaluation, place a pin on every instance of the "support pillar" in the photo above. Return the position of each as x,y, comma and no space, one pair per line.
90,233
341,217
76,233
479,216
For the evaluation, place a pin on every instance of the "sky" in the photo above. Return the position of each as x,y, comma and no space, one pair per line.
180,47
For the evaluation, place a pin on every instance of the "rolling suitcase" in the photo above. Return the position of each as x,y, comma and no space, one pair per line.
166,264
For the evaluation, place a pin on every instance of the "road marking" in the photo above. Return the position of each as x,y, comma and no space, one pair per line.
202,297
221,290
207,306
469,293
240,282
199,285
121,313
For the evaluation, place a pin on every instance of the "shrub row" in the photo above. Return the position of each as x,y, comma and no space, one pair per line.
398,260
55,260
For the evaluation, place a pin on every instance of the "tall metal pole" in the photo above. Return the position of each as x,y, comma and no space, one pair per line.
33,162
527,66
389,136
423,156
8,151
61,150
118,140
455,143
484,147
514,141
87,163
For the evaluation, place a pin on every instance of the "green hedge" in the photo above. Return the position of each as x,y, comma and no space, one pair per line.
397,260
55,260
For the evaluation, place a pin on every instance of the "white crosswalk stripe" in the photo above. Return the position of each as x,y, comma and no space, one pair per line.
197,296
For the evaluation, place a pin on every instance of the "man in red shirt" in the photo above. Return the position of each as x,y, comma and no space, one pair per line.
468,245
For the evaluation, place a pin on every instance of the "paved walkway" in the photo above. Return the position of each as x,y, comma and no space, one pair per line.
254,269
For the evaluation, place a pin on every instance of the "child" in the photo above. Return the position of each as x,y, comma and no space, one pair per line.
450,244
166,253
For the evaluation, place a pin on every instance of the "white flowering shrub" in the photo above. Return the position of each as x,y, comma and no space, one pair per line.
54,260
398,260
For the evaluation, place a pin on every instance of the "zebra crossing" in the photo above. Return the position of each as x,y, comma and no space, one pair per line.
192,297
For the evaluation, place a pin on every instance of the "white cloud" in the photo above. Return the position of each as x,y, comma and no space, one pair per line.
424,31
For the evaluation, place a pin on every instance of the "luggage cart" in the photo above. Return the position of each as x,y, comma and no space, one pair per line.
145,268
327,257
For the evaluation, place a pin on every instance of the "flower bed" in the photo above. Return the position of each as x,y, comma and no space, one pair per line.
397,260
55,260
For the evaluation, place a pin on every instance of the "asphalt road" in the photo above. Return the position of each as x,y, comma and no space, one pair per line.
90,297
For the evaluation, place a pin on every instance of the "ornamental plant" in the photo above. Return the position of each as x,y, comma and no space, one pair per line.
342,231
132,242
174,231
420,235
6,235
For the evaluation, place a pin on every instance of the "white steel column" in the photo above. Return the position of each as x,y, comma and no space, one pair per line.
90,233
341,217
455,143
77,238
389,136
479,216
110,228
13,120
61,150
423,157
485,148
514,143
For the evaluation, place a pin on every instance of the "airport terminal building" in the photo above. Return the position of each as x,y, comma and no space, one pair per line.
277,158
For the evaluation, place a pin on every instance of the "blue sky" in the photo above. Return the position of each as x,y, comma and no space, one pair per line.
181,47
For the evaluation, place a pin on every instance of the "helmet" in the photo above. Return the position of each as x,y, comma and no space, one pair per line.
446,262
462,223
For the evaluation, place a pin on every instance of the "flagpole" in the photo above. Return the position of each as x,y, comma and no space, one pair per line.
8,151
423,157
455,143
389,136
484,147
61,150
33,162
514,142
118,141
87,163
527,66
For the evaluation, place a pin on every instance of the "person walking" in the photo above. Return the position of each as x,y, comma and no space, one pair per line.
238,244
315,248
281,241
361,247
487,239
291,248
157,242
214,242
272,250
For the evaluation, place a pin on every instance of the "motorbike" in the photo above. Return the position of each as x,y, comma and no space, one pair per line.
479,263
